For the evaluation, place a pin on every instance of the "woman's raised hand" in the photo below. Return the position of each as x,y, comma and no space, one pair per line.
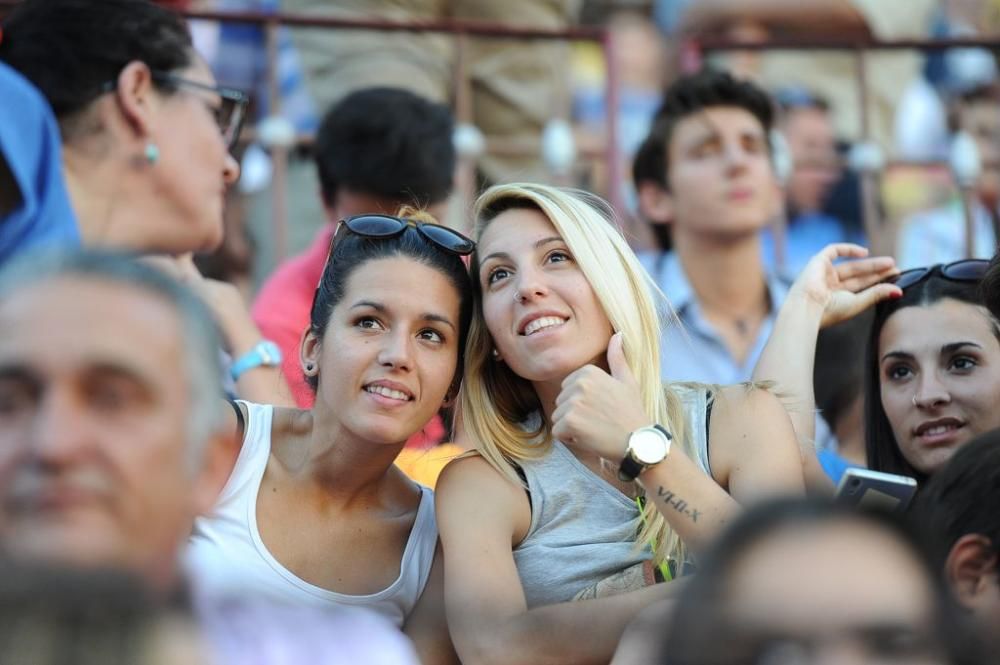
845,289
596,411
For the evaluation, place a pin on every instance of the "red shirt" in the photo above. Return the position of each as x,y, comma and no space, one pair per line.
281,311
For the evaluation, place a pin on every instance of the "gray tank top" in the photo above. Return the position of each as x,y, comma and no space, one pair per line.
583,529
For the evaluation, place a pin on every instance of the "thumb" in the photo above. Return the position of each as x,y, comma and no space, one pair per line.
616,359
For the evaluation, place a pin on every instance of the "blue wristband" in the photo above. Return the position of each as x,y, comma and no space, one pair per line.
264,354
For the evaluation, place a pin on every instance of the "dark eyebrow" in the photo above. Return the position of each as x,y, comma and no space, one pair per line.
377,306
438,318
955,346
18,373
896,354
114,369
549,240
426,316
495,255
711,132
947,348
505,255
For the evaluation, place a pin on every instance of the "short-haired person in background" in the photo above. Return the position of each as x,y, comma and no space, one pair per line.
377,149
315,511
938,235
806,122
562,379
705,171
771,587
111,436
957,510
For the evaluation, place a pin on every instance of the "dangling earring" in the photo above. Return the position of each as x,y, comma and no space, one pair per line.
151,153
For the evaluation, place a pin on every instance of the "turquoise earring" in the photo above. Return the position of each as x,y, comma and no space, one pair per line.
151,153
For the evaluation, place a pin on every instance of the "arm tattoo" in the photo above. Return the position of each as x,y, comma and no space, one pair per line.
677,503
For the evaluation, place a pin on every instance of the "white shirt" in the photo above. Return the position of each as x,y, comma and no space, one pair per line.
226,555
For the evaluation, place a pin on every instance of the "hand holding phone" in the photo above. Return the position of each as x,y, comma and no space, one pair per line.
876,490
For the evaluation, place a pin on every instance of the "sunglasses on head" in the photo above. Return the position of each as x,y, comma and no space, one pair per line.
384,226
966,270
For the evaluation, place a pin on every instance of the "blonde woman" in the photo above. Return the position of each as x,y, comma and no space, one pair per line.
546,555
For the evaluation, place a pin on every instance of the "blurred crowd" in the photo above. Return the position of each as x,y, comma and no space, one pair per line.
658,332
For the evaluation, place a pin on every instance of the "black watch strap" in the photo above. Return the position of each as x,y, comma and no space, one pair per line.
629,469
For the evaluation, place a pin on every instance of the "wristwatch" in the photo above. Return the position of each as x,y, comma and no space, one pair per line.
264,354
646,446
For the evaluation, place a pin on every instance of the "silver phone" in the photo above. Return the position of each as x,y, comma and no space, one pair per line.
876,490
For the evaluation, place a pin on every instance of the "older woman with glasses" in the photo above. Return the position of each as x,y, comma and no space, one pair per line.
146,131
932,365
146,136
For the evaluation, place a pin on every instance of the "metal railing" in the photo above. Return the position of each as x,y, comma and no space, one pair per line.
461,30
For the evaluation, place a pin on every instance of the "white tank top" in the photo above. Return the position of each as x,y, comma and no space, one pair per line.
226,556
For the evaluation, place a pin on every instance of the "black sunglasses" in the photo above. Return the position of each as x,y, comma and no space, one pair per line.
966,270
384,226
230,113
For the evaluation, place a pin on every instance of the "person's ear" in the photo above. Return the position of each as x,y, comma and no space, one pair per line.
134,92
656,205
971,571
309,351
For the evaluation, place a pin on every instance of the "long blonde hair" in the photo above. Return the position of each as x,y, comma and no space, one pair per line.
496,403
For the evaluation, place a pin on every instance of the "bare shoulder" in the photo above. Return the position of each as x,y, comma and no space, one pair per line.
745,415
472,475
471,493
752,443
744,404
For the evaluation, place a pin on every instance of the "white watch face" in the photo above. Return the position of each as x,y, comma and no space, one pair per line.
648,446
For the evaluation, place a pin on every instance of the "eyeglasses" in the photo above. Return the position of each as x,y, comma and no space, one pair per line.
966,270
229,115
384,226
